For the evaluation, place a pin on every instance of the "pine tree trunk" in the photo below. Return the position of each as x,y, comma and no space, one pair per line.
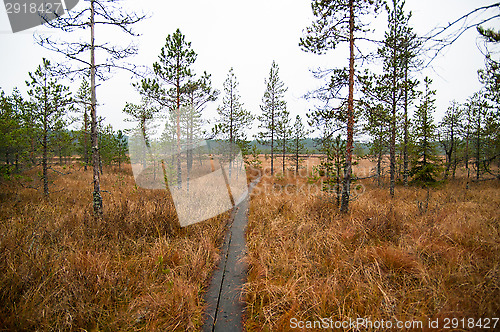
97,198
405,139
338,170
179,170
189,150
379,168
478,145
449,152
344,207
425,131
44,154
392,153
272,139
32,152
85,139
296,156
231,138
392,149
448,165
190,144
467,151
284,154
45,141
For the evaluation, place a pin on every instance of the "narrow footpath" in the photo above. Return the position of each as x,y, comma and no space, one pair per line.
225,305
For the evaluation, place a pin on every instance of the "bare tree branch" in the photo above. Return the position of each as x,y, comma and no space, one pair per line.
439,44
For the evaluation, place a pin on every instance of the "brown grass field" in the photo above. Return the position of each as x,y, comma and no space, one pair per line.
411,257
408,258
136,270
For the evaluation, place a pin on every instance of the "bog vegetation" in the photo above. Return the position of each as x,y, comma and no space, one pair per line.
402,225
423,255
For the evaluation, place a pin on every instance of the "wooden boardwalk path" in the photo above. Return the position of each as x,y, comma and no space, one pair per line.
225,305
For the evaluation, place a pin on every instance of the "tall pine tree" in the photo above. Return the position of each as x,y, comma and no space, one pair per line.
336,22
233,118
94,13
273,104
448,133
299,134
283,136
173,70
82,99
51,101
393,85
425,157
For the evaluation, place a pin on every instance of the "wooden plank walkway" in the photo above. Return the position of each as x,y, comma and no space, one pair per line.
225,305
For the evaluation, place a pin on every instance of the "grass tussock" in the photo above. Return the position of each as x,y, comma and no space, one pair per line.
389,258
134,270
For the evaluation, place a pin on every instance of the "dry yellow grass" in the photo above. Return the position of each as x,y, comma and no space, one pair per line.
135,270
390,259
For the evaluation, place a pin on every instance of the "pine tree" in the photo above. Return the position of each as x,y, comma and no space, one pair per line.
283,136
51,101
337,147
465,131
337,21
9,122
143,114
20,131
410,46
63,140
169,139
480,117
490,75
490,78
29,130
233,118
273,104
97,13
394,89
333,161
392,79
198,93
255,162
425,159
299,134
398,52
83,102
377,125
448,133
109,145
122,147
173,70
113,146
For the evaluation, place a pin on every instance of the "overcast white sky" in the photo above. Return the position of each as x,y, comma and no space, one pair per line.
249,35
